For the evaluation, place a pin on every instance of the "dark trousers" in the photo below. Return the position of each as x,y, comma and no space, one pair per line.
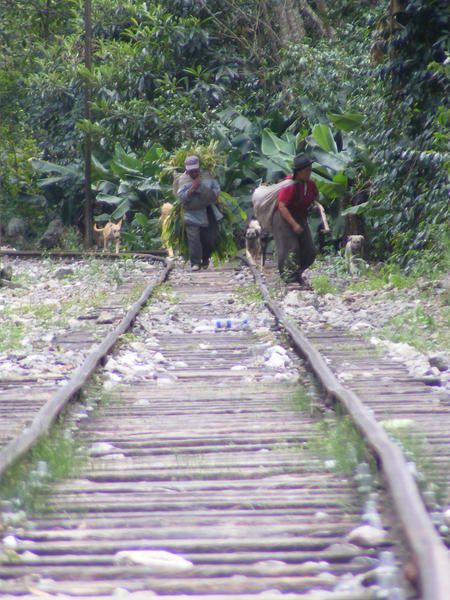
201,241
295,253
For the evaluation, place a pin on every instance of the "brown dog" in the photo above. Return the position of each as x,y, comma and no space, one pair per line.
110,233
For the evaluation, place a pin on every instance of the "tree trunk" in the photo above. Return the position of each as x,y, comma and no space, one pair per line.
290,21
88,212
313,20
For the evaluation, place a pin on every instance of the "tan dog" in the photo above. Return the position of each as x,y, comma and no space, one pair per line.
354,254
253,249
110,233
166,209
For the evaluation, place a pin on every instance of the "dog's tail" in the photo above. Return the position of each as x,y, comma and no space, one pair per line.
97,229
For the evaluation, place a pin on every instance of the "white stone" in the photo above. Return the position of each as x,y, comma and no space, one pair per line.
28,556
361,326
108,385
367,536
270,566
157,561
164,381
276,361
123,594
10,542
447,517
101,448
115,456
142,402
321,516
292,299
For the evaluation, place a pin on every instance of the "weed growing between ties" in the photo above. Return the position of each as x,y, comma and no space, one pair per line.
301,400
12,336
340,444
321,284
112,272
277,289
328,265
306,398
100,395
419,454
26,484
52,313
419,329
249,293
127,338
164,293
134,293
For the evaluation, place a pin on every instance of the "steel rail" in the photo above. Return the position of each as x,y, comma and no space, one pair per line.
430,554
49,412
155,255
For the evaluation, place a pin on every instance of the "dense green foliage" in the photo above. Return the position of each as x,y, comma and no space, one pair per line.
361,86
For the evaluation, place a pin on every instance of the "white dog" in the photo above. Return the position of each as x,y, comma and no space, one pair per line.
253,248
354,254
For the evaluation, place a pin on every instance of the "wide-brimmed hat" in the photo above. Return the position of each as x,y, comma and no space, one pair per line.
301,162
192,163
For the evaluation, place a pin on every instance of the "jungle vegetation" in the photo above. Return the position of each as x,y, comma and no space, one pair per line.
362,86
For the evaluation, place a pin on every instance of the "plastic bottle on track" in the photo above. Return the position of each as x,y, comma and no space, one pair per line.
231,324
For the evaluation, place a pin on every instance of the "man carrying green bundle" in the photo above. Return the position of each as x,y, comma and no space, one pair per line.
199,193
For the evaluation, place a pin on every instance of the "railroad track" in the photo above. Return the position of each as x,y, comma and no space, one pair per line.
202,479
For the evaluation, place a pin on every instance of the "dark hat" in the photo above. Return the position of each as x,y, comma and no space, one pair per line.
301,162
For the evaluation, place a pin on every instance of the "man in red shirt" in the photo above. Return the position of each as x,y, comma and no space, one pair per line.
291,232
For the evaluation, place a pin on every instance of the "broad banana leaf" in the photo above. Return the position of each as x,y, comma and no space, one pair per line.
333,162
346,121
330,189
360,209
241,123
272,145
324,137
98,170
274,167
44,166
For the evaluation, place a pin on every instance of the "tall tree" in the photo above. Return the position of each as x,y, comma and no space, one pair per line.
88,212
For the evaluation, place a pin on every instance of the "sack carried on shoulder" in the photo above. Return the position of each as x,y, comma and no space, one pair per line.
264,200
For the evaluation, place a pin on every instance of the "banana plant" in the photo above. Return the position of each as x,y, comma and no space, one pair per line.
129,183
62,187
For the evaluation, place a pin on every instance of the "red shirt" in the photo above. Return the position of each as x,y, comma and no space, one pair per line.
298,197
